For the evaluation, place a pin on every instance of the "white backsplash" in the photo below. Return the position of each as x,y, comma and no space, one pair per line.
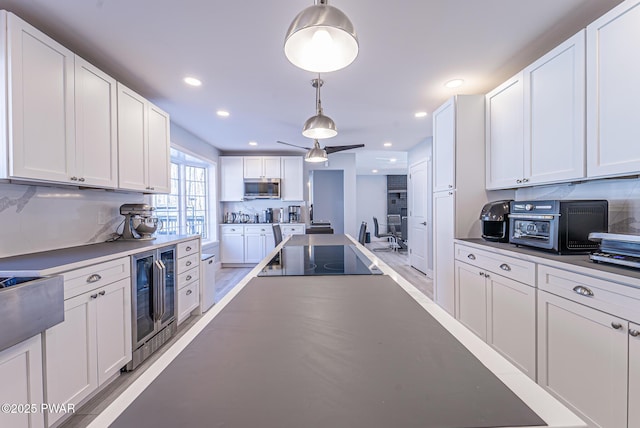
623,196
39,218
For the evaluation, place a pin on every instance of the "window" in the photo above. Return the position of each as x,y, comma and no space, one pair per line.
186,210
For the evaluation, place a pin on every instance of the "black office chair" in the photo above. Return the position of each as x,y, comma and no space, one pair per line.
377,234
362,236
277,234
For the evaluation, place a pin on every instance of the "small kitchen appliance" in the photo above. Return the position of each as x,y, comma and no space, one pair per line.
615,248
139,222
264,188
495,221
559,226
268,215
294,213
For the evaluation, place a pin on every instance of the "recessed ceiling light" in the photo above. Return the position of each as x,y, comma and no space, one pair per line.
192,81
387,144
374,171
253,143
393,160
421,114
222,113
455,83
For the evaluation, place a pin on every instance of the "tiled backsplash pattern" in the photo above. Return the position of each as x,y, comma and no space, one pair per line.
39,218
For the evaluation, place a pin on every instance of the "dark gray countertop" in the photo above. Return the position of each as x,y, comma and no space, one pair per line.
317,352
577,263
55,261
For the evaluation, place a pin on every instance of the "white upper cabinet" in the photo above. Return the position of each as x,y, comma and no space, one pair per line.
231,184
444,146
613,92
96,126
40,104
535,121
292,184
505,134
262,167
143,144
554,115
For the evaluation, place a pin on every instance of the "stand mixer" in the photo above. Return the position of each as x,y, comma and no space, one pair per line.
139,222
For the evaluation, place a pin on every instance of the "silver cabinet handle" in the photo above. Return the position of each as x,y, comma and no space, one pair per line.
583,291
94,278
188,263
94,296
81,179
481,273
188,249
519,181
634,333
505,267
525,180
102,293
450,186
188,278
486,275
616,325
74,178
189,292
471,256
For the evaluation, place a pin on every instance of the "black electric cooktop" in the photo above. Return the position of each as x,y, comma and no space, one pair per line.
309,260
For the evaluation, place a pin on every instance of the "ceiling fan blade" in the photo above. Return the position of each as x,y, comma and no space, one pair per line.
333,149
293,145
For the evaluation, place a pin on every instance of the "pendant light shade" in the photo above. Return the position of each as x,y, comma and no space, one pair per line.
319,126
316,154
321,39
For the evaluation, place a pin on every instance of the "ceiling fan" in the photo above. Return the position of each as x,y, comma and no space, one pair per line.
317,154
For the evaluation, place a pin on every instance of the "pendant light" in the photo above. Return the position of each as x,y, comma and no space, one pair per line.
316,154
321,39
319,126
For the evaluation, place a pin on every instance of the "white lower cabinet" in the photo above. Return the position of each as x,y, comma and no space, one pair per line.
231,244
188,284
21,374
291,229
250,243
499,310
90,346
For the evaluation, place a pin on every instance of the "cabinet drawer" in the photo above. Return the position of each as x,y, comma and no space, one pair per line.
258,230
188,300
616,299
510,267
188,248
85,279
188,277
288,229
232,230
189,262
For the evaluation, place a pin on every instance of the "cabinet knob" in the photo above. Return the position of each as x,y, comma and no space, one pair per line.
188,263
525,180
616,325
189,292
74,178
94,296
102,293
189,248
450,186
481,273
505,267
81,179
634,333
188,278
471,256
94,278
486,275
519,181
583,291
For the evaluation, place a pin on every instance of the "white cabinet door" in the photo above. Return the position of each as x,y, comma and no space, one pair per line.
21,374
444,146
471,298
511,321
582,359
554,114
231,183
443,250
113,328
96,126
159,158
132,140
231,245
41,105
505,134
261,167
291,229
613,91
634,375
254,247
292,182
252,167
70,354
271,167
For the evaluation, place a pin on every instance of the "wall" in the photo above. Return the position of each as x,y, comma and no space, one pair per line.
39,218
347,163
623,196
371,201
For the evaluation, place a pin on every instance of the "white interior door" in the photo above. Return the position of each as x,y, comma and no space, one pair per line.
418,210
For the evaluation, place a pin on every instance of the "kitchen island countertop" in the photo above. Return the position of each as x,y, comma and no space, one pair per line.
332,351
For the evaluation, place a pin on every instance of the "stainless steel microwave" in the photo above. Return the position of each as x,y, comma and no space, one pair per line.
264,188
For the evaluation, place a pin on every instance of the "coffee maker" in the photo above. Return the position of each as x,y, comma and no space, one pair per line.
294,213
495,221
139,222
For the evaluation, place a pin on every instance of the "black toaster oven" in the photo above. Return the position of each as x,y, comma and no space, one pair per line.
559,226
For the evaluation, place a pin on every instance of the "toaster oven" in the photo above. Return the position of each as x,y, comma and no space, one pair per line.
559,226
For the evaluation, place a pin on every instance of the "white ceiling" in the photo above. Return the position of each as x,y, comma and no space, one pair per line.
408,50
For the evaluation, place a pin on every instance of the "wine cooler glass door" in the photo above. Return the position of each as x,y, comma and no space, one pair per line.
168,259
144,289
